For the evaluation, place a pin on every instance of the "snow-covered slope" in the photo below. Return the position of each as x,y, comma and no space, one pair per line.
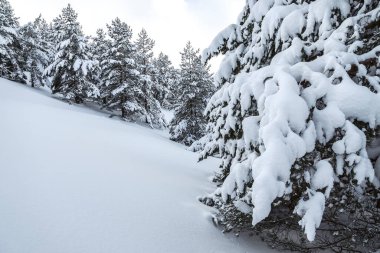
74,181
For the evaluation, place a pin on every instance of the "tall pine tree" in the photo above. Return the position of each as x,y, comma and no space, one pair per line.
10,47
46,36
120,76
99,46
166,79
144,60
189,123
72,67
35,51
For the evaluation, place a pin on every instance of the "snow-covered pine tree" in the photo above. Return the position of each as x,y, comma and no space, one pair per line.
72,67
99,47
46,36
297,104
144,62
10,48
189,123
35,51
50,34
166,79
120,76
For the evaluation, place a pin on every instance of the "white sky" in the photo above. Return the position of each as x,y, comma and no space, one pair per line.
169,22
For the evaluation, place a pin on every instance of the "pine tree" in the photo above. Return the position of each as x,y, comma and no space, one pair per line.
72,67
35,51
296,106
99,47
189,123
144,60
166,81
46,36
10,48
120,76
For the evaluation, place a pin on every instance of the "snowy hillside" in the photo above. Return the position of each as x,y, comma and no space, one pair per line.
74,181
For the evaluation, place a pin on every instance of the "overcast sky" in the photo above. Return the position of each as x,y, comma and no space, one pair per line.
169,22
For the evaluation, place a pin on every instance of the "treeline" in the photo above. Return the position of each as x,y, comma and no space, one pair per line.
118,74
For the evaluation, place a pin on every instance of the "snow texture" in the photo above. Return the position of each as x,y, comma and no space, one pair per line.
73,180
311,211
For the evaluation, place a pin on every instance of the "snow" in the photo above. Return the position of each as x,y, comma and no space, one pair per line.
168,115
227,34
273,19
309,136
320,12
261,8
73,180
292,25
311,211
239,176
251,131
63,44
323,177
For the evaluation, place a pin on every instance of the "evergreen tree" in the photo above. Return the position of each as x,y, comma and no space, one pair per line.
49,34
35,51
297,103
166,79
189,123
144,52
72,67
120,76
144,60
46,35
10,48
99,47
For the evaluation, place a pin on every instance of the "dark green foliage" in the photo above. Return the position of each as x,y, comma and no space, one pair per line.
10,46
72,67
189,123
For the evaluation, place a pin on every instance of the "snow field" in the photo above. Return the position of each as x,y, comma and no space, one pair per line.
72,180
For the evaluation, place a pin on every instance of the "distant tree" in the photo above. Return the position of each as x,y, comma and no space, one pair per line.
35,51
144,62
189,123
46,36
120,76
10,47
72,68
166,79
99,47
